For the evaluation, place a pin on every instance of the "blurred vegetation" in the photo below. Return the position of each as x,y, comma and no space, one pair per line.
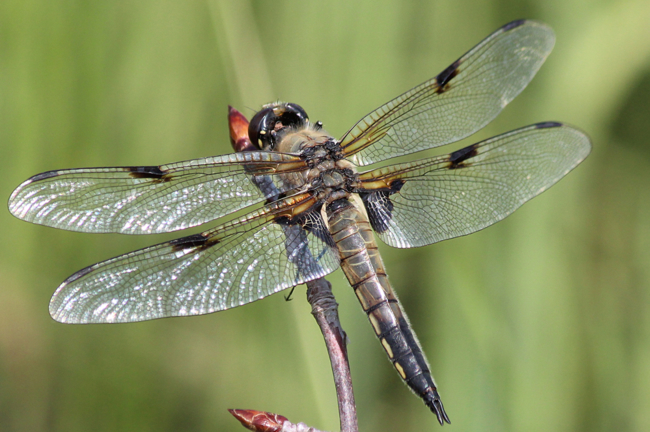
540,323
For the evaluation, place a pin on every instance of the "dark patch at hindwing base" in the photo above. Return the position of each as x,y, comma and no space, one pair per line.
149,172
380,207
457,159
312,222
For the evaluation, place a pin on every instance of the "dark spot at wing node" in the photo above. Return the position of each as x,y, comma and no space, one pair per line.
549,124
446,76
149,172
196,241
457,159
513,24
379,206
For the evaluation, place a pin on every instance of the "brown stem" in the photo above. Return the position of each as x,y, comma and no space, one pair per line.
325,311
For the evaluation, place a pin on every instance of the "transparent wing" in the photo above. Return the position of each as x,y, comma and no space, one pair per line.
228,266
459,101
153,199
423,202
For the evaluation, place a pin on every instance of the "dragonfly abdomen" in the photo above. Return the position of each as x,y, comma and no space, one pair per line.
363,266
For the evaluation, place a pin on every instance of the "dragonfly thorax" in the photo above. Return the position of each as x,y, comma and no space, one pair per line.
329,175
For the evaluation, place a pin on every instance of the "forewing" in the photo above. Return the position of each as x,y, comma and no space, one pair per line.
231,265
459,101
423,202
154,199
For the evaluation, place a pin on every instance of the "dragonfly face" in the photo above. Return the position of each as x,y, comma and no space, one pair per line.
316,211
267,124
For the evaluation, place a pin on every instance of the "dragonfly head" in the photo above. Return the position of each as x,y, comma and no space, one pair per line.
267,125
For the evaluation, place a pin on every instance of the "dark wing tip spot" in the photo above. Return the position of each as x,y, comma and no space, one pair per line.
44,176
148,172
546,125
514,24
78,275
457,158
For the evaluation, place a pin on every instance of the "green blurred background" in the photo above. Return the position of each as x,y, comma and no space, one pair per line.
540,323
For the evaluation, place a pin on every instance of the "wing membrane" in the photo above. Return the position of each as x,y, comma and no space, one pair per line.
228,266
459,101
142,200
423,202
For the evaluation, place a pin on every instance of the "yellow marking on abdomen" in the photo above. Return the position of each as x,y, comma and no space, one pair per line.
375,324
387,347
400,371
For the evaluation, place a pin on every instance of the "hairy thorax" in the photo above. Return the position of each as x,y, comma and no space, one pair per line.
330,176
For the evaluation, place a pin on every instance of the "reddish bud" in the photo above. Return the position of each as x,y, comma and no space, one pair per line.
259,421
239,131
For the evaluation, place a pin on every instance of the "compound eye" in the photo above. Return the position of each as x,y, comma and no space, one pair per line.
293,115
265,126
260,128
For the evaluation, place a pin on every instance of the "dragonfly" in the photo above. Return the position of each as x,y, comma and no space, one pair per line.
312,207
